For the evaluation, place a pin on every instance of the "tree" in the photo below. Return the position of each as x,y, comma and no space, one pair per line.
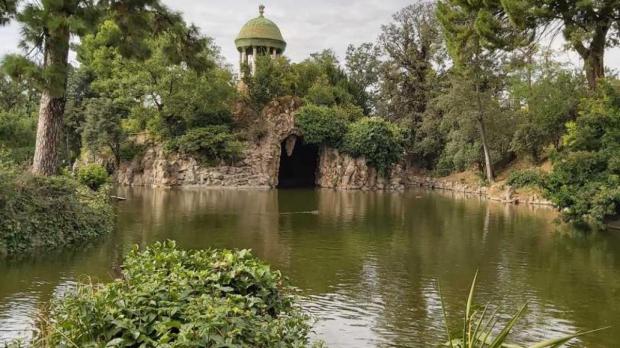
589,26
461,107
166,96
474,30
362,65
545,97
7,10
345,89
47,27
585,182
412,44
267,83
17,119
102,127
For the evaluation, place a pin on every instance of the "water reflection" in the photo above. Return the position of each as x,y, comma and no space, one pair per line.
367,263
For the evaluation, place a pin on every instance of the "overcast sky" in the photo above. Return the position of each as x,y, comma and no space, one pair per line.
307,26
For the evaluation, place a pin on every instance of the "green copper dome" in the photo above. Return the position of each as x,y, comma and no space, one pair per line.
260,32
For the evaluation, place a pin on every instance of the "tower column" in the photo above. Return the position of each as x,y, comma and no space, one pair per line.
254,55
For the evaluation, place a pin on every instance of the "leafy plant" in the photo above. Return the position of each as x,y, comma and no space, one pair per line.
321,125
177,298
480,327
92,175
41,212
377,140
211,144
585,182
525,178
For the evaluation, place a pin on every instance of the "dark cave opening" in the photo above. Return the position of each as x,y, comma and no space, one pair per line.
299,169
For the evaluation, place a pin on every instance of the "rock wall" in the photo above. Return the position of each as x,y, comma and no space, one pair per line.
341,171
258,169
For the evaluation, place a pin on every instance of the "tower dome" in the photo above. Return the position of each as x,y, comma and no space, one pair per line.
259,37
260,32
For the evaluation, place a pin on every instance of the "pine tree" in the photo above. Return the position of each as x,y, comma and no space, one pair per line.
475,31
7,10
47,28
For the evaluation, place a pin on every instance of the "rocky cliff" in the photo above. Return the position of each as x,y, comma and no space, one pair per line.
338,170
258,169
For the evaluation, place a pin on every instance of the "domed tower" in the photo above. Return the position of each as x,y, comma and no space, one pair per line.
259,36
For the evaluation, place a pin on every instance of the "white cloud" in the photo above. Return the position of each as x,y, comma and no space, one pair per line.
307,26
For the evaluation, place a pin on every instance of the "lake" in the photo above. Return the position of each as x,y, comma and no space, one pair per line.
367,264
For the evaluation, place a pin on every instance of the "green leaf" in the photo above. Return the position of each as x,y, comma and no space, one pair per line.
556,342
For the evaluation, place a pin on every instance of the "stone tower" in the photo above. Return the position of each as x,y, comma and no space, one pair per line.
259,36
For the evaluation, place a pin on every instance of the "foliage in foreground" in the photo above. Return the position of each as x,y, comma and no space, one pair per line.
176,298
480,328
48,212
585,182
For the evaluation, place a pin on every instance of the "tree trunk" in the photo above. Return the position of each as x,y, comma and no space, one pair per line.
49,133
594,65
487,155
52,107
594,55
483,136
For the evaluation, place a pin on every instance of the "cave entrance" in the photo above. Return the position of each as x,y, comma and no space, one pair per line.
298,164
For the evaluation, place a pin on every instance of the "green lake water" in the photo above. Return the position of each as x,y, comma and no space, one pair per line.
367,264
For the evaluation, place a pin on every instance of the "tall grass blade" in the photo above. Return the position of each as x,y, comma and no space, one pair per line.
470,300
501,338
562,340
479,324
445,316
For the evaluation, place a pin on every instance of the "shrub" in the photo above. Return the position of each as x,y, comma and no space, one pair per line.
585,182
320,125
377,140
169,297
349,112
17,135
525,178
582,188
211,144
92,175
48,212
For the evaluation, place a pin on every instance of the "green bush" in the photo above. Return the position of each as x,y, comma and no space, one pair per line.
526,178
585,182
210,144
349,112
17,135
377,140
92,175
169,297
48,212
320,125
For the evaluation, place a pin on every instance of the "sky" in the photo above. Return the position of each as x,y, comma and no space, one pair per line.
307,26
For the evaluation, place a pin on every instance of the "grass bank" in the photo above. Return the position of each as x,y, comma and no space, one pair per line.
41,213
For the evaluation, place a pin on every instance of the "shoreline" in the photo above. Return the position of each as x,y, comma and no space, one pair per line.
495,194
